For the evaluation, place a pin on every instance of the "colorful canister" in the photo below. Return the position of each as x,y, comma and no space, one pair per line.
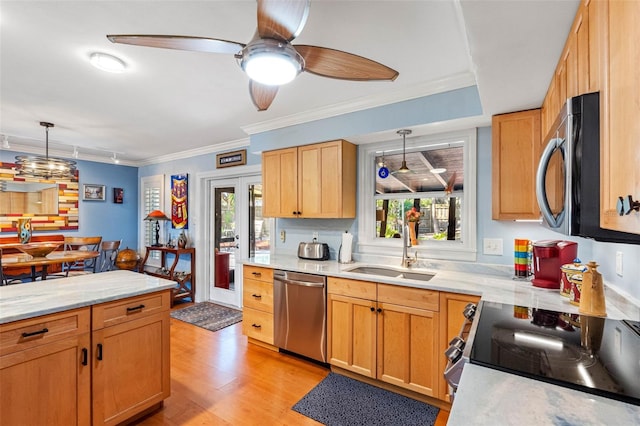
576,288
568,270
522,258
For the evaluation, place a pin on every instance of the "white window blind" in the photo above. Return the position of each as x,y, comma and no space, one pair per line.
152,199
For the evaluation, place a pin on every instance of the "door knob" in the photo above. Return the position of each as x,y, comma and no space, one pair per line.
626,205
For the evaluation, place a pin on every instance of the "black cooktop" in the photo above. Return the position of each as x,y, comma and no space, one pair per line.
591,354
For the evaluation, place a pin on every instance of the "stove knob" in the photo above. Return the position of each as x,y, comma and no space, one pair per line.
457,342
453,353
469,311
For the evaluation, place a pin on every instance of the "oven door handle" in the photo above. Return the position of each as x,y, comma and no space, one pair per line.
541,178
300,283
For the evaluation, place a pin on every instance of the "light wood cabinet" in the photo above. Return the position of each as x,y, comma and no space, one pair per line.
385,332
45,376
451,320
620,127
257,300
311,181
516,149
130,357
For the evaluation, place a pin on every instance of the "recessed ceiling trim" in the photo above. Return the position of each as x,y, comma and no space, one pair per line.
453,82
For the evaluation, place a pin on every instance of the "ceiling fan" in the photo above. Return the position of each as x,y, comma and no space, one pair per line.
270,59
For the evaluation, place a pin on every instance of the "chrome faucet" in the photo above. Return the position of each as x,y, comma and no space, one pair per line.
406,242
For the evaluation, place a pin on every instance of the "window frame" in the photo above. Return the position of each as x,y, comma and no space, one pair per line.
369,244
150,183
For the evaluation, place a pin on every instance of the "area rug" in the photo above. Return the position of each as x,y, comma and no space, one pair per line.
341,401
208,315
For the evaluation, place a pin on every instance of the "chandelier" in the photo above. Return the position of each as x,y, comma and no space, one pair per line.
45,167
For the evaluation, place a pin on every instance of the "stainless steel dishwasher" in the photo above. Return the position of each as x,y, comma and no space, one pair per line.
300,306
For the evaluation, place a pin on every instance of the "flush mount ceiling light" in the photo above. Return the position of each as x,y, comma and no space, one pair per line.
438,171
270,62
403,167
106,62
45,167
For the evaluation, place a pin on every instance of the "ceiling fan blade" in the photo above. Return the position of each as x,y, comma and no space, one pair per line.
262,95
342,65
195,44
282,19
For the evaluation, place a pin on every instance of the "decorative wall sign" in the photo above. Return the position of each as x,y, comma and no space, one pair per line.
118,195
229,159
179,195
92,192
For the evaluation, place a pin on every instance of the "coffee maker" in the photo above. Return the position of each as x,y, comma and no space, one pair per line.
548,257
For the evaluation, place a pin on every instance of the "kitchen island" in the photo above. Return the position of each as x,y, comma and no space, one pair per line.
90,349
502,398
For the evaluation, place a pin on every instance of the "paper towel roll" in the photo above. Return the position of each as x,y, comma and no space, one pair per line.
346,247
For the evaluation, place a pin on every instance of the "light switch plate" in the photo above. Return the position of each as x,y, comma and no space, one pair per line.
492,246
283,235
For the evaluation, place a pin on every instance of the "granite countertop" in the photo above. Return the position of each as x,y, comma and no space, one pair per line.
486,396
21,301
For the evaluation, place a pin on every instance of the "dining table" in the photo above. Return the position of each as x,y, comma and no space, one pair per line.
21,260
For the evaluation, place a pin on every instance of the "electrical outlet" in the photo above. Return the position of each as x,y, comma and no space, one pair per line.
619,263
315,235
492,246
283,235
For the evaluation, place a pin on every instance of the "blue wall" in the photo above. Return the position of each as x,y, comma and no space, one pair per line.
111,221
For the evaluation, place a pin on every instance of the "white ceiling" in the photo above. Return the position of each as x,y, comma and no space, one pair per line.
172,101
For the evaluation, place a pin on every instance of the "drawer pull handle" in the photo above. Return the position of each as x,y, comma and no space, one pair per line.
135,308
85,356
256,274
257,296
256,326
99,352
35,333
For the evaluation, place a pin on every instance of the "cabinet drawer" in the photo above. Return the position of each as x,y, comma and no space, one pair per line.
258,274
58,326
409,296
258,325
258,295
119,311
353,288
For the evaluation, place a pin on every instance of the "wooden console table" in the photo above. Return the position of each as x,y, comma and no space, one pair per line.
181,277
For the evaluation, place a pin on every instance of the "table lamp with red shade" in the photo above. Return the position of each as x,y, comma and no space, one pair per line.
157,215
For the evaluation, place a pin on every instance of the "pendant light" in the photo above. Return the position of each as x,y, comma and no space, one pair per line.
403,167
45,167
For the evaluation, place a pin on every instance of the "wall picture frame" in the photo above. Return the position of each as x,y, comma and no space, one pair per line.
179,201
118,195
230,159
93,192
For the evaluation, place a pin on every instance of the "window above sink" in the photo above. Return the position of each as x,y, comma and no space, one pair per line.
446,226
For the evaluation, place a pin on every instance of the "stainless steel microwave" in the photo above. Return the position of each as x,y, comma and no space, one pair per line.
568,177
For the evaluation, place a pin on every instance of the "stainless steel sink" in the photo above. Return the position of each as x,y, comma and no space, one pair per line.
391,272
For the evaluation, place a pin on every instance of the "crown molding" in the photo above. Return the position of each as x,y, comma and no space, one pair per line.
211,149
453,82
105,158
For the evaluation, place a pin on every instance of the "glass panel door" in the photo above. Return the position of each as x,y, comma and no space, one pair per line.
225,242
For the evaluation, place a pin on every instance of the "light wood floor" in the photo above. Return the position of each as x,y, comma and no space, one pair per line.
220,379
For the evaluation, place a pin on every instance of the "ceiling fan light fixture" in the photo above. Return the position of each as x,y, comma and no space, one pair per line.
106,62
271,62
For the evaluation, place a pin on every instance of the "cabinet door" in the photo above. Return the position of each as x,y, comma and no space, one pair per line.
280,183
516,143
47,384
620,147
408,348
351,325
130,368
451,307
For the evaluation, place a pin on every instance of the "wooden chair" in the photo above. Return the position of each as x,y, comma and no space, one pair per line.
81,243
108,253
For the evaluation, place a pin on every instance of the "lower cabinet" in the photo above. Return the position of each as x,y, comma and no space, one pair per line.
386,332
45,376
97,365
131,357
257,301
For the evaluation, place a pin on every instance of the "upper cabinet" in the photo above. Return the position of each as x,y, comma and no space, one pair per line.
311,181
516,144
620,126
